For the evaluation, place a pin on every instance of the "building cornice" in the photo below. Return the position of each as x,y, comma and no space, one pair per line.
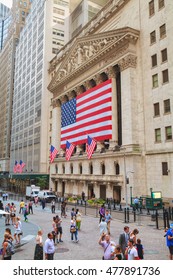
88,51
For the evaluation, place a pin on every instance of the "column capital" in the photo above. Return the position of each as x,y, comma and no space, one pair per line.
98,79
56,103
129,61
110,72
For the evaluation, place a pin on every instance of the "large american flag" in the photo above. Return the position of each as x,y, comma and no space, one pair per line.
69,150
90,113
90,146
53,153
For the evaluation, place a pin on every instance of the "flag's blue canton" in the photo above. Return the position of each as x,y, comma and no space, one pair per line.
89,140
68,113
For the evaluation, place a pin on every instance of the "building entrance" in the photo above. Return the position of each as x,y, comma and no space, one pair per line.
117,193
103,192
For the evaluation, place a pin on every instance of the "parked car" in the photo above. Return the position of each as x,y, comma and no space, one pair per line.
48,195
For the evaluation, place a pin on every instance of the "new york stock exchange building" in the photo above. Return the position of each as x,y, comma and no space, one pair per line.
109,68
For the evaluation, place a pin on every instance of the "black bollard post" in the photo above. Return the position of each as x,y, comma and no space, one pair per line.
157,223
167,219
148,211
85,207
125,215
164,219
134,213
114,205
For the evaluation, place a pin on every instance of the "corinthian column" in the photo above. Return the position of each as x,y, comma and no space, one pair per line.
128,99
56,124
112,75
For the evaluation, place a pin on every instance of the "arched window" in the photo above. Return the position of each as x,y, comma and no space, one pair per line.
56,168
80,168
91,168
117,169
63,169
103,168
71,168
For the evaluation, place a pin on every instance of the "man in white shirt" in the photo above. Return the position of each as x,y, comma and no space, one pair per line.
49,247
131,252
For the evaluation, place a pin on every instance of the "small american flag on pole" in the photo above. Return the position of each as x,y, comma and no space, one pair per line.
90,146
15,166
53,153
22,165
69,150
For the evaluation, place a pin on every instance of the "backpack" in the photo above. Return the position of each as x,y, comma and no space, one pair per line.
10,249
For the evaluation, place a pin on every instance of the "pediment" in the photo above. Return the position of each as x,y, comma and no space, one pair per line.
84,51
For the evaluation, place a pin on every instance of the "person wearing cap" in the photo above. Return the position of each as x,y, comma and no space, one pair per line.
131,252
169,241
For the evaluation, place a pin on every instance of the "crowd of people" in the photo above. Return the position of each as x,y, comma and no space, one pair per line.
128,247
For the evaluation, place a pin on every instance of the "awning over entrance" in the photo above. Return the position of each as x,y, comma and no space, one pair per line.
28,176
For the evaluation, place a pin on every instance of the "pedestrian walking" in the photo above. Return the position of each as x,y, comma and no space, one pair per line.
49,247
7,244
59,229
38,253
18,230
123,239
118,255
106,244
54,229
35,201
30,208
63,209
108,219
7,216
131,253
21,205
133,235
43,203
73,213
12,213
103,227
102,212
53,206
74,230
136,203
25,213
78,219
140,249
169,241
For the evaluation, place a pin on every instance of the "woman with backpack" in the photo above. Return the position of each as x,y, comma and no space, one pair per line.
7,248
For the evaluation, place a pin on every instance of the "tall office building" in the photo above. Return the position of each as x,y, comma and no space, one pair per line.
45,32
4,11
12,26
82,12
126,49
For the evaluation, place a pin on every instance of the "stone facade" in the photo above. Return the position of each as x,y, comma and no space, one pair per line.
116,45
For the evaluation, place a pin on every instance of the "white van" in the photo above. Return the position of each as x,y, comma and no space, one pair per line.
48,195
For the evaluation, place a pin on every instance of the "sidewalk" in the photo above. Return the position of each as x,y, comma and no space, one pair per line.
88,247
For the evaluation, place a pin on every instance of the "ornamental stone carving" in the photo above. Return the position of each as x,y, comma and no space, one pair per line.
128,61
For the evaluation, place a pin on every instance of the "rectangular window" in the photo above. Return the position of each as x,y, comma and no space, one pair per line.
155,80
156,110
154,60
153,37
161,4
162,31
165,76
151,8
164,55
167,107
164,168
168,132
157,135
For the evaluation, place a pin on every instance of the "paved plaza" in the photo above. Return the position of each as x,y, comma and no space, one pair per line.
88,248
